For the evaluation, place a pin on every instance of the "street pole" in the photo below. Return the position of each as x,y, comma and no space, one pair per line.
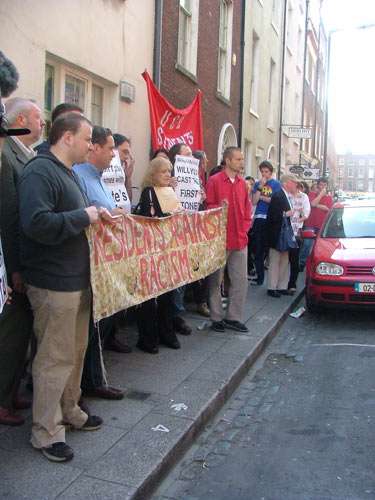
282,89
304,75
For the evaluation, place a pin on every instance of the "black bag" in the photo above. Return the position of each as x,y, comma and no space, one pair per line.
286,240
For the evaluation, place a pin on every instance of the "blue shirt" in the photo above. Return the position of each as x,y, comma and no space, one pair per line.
271,187
90,179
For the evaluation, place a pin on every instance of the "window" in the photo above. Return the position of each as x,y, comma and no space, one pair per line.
97,105
362,162
254,73
341,172
299,48
286,110
371,173
49,86
75,91
360,185
361,172
271,94
341,161
290,31
370,187
248,157
275,20
297,110
350,172
371,162
66,84
188,35
225,48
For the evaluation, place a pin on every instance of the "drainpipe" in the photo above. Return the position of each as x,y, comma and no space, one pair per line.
304,75
282,89
242,70
157,42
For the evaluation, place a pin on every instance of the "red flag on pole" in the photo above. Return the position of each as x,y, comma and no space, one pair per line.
170,125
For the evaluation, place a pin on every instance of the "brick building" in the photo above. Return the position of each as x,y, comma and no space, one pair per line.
201,49
356,173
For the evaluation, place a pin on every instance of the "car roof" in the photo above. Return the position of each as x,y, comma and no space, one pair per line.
355,203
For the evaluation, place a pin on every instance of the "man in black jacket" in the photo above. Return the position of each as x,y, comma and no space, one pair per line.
280,207
16,324
55,256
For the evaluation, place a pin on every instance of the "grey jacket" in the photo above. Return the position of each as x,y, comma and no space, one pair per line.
13,160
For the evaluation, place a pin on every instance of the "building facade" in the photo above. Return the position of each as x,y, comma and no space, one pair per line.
201,49
355,173
262,81
89,53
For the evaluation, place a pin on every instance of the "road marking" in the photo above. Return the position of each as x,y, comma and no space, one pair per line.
344,345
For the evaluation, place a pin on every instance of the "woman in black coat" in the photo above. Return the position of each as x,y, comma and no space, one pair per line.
155,316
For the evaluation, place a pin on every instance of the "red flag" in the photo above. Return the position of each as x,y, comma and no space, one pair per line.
170,125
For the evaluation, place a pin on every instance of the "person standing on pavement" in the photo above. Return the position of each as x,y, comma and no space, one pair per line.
280,207
301,211
94,383
17,151
263,191
321,202
229,187
54,213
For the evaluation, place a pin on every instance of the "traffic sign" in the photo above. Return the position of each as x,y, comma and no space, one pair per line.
299,132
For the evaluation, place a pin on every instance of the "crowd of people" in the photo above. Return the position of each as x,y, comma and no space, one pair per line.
50,194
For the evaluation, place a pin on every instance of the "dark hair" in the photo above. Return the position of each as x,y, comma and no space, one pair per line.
64,107
228,153
199,154
305,186
69,122
323,179
249,178
174,151
266,164
120,139
157,151
100,135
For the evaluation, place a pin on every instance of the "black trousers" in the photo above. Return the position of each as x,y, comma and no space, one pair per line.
16,323
155,320
259,237
294,265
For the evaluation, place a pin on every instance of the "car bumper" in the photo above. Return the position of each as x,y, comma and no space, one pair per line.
335,292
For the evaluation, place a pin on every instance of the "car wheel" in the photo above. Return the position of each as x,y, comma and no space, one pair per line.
311,306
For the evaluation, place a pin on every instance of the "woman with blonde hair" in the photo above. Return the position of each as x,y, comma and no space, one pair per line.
155,317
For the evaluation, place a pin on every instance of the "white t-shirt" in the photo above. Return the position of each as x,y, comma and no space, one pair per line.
114,178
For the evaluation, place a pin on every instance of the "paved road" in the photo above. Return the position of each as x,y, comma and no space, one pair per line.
300,426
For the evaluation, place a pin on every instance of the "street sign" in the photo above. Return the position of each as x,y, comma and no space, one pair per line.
311,173
296,169
299,132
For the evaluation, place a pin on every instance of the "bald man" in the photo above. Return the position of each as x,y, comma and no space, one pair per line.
16,324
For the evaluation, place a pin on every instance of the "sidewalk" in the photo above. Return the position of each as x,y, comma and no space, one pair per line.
169,398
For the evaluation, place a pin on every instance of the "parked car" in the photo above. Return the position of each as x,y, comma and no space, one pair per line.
341,268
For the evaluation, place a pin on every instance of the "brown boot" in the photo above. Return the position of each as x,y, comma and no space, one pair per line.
7,417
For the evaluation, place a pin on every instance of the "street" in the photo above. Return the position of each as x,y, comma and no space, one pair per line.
300,426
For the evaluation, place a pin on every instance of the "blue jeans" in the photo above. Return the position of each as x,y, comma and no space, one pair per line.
305,251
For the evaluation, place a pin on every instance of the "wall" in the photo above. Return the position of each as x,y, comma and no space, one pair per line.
100,38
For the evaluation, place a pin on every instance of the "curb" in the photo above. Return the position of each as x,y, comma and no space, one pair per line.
212,407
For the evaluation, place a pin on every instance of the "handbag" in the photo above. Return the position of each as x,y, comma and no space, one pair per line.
286,239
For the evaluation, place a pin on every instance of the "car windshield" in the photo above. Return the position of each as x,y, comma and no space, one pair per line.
350,222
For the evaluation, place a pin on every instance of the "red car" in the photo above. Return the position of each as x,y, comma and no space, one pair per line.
341,268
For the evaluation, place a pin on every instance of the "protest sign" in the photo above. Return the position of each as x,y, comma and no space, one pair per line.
3,280
170,125
139,258
188,188
114,179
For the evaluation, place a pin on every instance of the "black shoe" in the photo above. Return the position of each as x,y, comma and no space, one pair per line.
173,344
218,326
58,452
104,392
116,346
93,423
145,348
235,325
285,292
181,326
274,293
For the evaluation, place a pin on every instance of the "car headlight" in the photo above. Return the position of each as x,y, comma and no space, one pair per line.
329,269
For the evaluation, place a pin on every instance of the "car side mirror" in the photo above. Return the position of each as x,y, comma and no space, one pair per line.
308,234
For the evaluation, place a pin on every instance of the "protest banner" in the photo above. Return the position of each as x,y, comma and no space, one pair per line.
188,190
114,178
3,280
170,125
138,258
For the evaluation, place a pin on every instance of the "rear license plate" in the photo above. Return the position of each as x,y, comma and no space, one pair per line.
364,287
